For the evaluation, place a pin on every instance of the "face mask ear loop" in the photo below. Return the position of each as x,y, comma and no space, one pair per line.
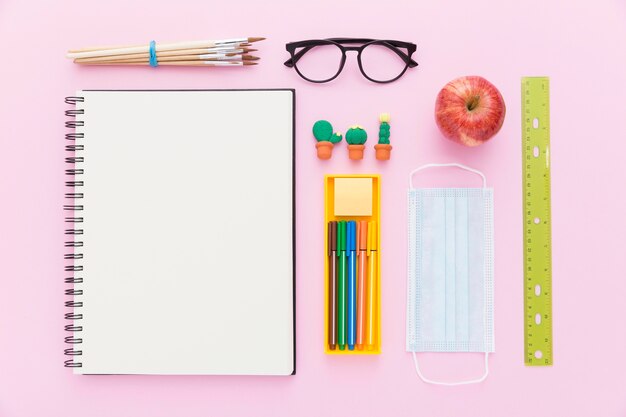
423,167
452,384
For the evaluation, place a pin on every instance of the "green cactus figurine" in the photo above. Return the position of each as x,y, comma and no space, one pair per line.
383,132
383,148
356,137
323,132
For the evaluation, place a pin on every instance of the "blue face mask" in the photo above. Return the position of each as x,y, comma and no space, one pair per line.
450,271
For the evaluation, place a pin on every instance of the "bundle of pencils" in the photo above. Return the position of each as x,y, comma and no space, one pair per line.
211,53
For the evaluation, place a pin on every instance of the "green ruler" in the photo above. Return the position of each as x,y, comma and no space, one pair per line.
537,221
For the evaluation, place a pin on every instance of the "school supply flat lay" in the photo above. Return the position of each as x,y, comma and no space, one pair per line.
181,218
180,234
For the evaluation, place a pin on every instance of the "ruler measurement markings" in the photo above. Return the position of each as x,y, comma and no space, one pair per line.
537,246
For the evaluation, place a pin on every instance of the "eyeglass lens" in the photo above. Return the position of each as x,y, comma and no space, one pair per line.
381,63
320,63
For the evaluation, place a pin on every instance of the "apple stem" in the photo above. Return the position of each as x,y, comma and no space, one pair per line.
471,105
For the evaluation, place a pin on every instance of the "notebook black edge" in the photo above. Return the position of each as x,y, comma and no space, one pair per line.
293,223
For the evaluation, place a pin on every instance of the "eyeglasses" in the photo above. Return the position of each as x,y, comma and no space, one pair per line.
322,60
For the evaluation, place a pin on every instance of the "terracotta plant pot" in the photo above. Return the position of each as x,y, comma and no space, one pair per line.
355,151
383,151
324,149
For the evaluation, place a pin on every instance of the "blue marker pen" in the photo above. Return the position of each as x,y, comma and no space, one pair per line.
351,250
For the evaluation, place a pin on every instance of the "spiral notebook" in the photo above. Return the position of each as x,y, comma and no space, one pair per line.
180,232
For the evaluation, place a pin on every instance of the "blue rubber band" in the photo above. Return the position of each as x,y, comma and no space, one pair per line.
153,56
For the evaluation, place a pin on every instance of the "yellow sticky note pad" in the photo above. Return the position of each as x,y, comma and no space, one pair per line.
353,196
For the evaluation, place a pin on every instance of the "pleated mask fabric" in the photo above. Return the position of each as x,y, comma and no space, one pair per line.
450,269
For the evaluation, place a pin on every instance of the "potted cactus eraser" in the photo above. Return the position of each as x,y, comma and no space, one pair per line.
383,148
356,137
323,132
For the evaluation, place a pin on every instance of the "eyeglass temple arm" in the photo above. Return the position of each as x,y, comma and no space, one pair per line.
294,59
405,57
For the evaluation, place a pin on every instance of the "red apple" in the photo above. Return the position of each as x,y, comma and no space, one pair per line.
469,110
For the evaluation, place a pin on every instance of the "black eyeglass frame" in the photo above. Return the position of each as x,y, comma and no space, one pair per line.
338,42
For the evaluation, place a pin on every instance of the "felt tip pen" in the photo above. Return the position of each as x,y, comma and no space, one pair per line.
351,250
372,246
341,285
361,284
332,285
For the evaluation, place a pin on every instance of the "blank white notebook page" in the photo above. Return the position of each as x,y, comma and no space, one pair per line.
188,232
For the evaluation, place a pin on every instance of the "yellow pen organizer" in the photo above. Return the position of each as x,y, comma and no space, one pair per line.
352,265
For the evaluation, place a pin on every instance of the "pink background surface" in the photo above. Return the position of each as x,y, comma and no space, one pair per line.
579,44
